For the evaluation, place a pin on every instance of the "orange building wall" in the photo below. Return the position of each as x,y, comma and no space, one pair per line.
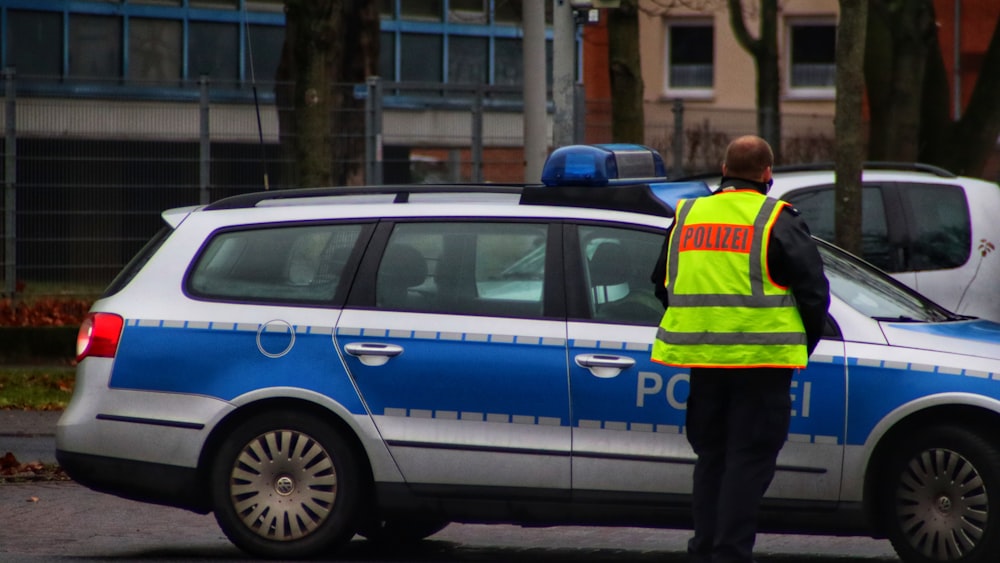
979,19
596,83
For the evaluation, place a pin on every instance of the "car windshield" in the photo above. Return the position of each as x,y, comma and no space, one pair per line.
874,293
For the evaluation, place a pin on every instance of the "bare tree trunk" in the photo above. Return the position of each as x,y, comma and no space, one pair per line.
359,60
904,32
627,120
329,46
305,70
849,134
878,81
764,50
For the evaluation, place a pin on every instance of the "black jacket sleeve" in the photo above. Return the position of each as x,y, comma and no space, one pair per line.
794,261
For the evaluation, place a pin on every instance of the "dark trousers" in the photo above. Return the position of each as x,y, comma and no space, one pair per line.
737,422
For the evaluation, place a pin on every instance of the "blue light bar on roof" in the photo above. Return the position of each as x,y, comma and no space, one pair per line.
672,192
603,165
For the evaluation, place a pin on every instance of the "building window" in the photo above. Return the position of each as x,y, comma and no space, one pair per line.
812,59
467,11
168,43
423,10
509,62
420,57
95,47
690,58
154,49
266,42
213,51
387,56
467,60
34,47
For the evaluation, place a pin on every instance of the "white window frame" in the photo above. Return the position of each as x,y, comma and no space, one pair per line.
808,92
681,91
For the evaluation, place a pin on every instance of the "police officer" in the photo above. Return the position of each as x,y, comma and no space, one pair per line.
746,301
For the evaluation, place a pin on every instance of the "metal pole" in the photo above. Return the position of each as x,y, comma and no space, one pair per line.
534,124
377,104
563,72
373,131
678,143
204,143
369,132
477,135
10,181
579,114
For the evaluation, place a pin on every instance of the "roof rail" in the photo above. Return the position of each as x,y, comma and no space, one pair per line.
871,165
402,193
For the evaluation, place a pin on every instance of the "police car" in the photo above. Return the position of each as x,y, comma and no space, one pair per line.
314,364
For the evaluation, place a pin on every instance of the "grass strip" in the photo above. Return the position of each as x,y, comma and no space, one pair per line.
36,388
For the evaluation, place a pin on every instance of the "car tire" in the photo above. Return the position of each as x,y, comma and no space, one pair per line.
939,497
286,485
401,531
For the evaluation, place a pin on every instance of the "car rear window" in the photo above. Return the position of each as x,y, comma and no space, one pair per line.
940,226
283,264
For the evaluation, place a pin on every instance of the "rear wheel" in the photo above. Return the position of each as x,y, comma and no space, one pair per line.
939,497
286,485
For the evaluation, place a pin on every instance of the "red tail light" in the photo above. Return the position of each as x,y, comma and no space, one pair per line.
98,336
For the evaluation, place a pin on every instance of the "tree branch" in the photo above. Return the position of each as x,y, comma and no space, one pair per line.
740,30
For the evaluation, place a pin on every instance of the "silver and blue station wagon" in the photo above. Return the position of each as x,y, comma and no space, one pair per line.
314,364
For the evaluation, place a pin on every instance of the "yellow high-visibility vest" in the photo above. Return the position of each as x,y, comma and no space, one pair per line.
724,310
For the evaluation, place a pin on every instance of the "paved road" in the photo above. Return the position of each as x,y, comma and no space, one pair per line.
29,435
62,521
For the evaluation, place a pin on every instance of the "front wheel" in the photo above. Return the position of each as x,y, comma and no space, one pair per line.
286,485
939,497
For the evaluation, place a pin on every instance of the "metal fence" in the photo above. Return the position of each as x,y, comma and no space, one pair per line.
86,175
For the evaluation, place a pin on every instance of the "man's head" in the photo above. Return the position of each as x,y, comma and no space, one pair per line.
749,158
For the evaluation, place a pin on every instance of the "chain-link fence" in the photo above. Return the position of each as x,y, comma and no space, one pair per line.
86,176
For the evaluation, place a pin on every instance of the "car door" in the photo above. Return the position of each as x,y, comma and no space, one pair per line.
629,413
455,337
940,241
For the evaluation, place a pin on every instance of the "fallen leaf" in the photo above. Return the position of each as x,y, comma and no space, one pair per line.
8,460
33,499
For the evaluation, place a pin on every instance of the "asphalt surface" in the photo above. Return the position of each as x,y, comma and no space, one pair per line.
29,435
62,521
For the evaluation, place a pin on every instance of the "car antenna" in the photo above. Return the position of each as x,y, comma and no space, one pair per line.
256,98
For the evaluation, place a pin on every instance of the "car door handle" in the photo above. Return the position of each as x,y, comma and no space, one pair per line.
603,365
373,354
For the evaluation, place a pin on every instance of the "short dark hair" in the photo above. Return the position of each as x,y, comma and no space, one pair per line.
748,157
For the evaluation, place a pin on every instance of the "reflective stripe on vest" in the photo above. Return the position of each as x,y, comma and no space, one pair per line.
724,310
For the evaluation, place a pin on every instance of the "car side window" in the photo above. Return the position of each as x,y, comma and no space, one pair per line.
617,267
941,228
285,264
464,268
817,209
